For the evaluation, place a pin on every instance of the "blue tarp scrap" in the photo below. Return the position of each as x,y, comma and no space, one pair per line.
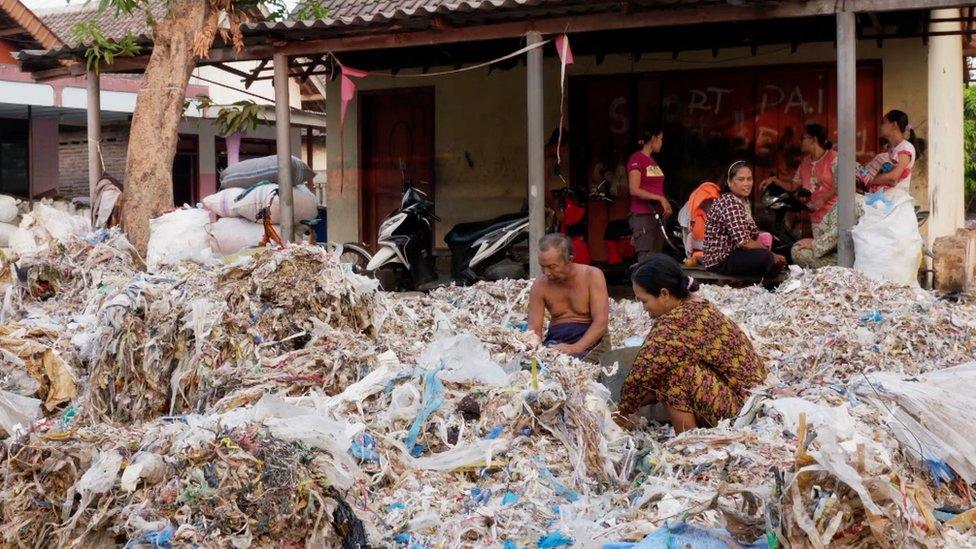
560,488
495,432
510,498
363,448
554,539
432,400
682,534
159,539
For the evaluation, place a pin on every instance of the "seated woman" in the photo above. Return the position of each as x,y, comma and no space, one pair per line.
821,250
695,361
732,243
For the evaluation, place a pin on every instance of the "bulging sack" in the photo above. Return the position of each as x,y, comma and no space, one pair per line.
887,244
249,205
179,236
229,235
222,203
255,170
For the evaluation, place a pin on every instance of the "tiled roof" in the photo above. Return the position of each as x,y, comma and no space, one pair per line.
14,16
62,20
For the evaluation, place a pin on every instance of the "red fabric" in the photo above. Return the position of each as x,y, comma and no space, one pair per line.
652,180
572,215
581,251
707,191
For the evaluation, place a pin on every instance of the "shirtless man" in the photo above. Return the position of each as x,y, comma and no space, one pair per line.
574,295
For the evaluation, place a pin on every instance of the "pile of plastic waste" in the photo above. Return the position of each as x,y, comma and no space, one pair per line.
283,400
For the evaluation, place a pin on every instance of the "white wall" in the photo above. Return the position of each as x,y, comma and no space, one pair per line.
223,96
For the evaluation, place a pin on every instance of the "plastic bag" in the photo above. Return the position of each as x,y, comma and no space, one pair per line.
887,243
17,412
59,226
464,360
404,402
687,535
6,231
250,203
818,415
23,241
477,454
8,209
145,465
100,477
179,236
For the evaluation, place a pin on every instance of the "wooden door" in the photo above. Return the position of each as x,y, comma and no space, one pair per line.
396,141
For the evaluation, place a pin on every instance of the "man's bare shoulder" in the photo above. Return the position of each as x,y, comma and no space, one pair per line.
595,275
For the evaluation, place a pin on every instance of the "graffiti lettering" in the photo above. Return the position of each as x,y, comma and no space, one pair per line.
699,99
619,123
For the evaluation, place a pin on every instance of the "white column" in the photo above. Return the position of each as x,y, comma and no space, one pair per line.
846,132
945,129
283,133
94,132
536,152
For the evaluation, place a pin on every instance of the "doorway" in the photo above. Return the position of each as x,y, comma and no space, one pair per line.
396,145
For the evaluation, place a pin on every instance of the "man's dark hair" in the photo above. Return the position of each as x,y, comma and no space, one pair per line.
559,242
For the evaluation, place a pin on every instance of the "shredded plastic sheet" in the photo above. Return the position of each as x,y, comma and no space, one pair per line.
269,402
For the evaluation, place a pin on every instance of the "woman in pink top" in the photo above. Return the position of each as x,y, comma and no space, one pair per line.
815,174
646,183
901,153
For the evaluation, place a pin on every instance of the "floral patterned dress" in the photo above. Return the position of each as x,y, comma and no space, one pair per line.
694,359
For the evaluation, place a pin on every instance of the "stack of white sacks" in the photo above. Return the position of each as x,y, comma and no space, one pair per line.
228,220
25,229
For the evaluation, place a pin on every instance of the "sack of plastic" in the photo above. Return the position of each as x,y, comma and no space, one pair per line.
17,412
229,235
58,225
6,231
254,170
931,415
222,202
178,236
463,359
8,209
252,200
887,244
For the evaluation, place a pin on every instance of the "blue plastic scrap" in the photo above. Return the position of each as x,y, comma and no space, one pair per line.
682,534
509,498
941,472
405,538
554,539
159,539
433,399
495,432
363,448
480,496
396,506
872,316
509,544
560,488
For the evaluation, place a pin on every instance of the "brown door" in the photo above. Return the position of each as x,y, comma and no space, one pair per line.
397,142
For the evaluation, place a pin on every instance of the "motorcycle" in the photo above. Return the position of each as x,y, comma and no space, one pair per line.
403,259
478,249
780,202
571,222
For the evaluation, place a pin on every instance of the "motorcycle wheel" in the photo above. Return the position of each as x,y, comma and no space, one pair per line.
356,257
503,271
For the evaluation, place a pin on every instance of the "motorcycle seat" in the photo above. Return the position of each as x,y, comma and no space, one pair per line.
464,234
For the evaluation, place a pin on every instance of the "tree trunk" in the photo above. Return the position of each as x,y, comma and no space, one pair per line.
156,120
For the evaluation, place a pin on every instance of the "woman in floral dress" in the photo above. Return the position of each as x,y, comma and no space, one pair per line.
695,360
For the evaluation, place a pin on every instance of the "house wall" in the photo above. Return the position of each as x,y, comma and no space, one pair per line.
482,116
73,153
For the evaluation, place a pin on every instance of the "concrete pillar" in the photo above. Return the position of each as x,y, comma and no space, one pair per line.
536,151
945,129
846,135
94,132
284,149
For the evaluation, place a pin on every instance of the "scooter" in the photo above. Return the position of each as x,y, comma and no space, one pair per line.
780,203
403,259
618,236
571,222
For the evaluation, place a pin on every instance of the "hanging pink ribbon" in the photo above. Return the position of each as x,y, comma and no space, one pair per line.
348,89
565,58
